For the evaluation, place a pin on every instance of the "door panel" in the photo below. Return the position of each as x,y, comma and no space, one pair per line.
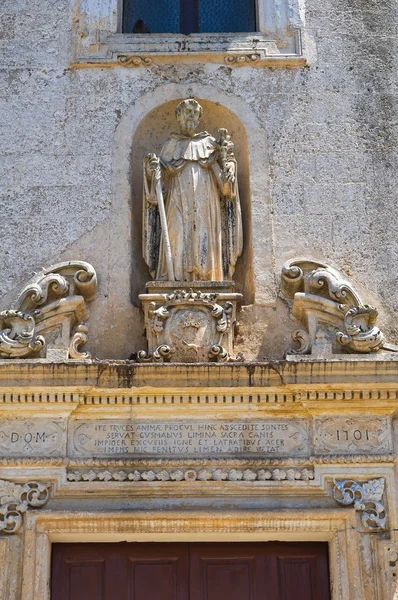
259,571
134,571
158,571
216,571
220,571
87,579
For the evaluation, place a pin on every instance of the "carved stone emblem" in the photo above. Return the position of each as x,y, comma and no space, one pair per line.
189,325
331,311
16,499
49,316
366,498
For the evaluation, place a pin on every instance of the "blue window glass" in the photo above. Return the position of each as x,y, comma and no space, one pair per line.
189,16
159,16
226,16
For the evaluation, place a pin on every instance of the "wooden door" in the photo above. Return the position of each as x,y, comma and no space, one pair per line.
211,571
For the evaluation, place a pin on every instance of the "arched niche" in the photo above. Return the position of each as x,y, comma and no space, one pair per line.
143,128
150,136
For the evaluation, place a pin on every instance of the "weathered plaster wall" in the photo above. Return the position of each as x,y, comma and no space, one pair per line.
328,182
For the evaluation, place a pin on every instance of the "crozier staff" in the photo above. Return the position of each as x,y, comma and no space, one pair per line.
200,233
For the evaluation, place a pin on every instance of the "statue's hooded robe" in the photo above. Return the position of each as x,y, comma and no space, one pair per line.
202,210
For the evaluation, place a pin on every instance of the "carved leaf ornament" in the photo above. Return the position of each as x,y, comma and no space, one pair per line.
16,499
198,474
324,301
366,498
53,297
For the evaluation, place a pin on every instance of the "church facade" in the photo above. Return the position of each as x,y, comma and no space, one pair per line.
198,295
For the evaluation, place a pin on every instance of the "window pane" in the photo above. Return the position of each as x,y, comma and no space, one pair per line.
227,16
160,16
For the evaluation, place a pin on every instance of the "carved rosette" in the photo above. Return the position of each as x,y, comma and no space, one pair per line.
366,498
331,311
16,499
49,315
189,326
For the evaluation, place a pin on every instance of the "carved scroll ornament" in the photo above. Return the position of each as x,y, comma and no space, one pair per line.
50,313
366,498
329,306
16,499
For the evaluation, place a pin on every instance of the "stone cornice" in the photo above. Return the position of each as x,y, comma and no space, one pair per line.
157,463
108,374
301,386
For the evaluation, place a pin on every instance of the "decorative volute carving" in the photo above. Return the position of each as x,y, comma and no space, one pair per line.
16,499
50,313
366,498
330,309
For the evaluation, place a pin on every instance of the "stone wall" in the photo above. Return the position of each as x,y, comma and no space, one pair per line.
324,184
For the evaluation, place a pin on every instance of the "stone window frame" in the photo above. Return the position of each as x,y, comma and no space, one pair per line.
98,41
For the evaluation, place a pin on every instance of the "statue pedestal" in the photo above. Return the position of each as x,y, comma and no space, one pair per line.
189,321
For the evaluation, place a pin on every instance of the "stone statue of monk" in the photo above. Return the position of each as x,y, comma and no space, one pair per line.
195,179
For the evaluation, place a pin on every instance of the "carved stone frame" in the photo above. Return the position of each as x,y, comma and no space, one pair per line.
337,527
98,40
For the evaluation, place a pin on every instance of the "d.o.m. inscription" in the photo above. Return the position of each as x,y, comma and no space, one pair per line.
32,437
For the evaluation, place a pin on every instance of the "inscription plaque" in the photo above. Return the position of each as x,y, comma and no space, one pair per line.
189,438
32,437
357,435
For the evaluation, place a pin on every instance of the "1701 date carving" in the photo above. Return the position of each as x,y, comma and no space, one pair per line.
359,435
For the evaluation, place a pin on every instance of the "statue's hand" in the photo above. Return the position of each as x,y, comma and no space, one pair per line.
229,171
152,165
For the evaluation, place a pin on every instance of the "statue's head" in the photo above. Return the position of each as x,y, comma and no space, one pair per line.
188,114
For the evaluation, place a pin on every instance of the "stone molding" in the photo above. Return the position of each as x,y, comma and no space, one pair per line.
326,524
106,398
101,463
15,500
49,315
97,40
323,300
366,498
132,50
191,474
390,564
306,376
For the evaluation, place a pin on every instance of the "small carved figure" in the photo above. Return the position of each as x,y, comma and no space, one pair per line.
192,218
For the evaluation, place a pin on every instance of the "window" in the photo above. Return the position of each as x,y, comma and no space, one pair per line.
189,16
139,33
